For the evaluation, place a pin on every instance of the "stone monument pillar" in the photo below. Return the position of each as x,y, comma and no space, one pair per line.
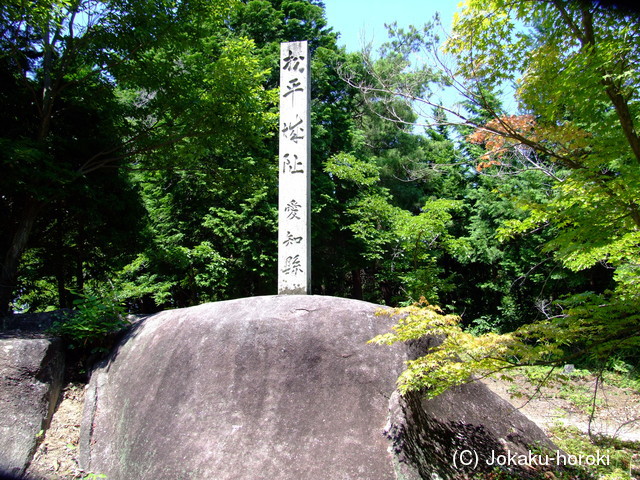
294,203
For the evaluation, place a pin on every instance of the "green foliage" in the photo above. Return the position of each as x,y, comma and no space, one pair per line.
407,241
571,473
550,197
453,361
94,319
91,87
347,167
374,221
94,476
211,224
585,109
183,95
625,377
462,355
619,453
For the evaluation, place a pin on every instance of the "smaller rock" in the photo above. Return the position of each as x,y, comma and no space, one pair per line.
32,322
31,376
459,433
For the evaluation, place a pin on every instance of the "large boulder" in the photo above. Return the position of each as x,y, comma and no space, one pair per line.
31,376
260,388
279,387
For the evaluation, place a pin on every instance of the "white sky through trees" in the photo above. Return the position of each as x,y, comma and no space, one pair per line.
360,22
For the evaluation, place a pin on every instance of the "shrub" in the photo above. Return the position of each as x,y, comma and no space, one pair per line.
94,320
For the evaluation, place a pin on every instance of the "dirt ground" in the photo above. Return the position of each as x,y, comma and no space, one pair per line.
617,410
56,457
617,414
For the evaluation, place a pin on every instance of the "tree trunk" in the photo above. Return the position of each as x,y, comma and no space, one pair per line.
357,284
9,270
80,242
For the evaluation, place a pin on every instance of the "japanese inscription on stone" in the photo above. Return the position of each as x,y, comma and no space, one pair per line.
294,254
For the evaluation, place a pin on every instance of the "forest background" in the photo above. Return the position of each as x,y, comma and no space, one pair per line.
138,150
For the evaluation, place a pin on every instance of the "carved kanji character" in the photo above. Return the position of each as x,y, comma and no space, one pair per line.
294,131
292,62
291,239
292,265
291,165
293,87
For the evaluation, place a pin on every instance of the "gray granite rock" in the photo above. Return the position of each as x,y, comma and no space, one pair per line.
279,387
31,376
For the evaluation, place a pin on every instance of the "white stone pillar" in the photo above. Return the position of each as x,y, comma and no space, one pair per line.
294,203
